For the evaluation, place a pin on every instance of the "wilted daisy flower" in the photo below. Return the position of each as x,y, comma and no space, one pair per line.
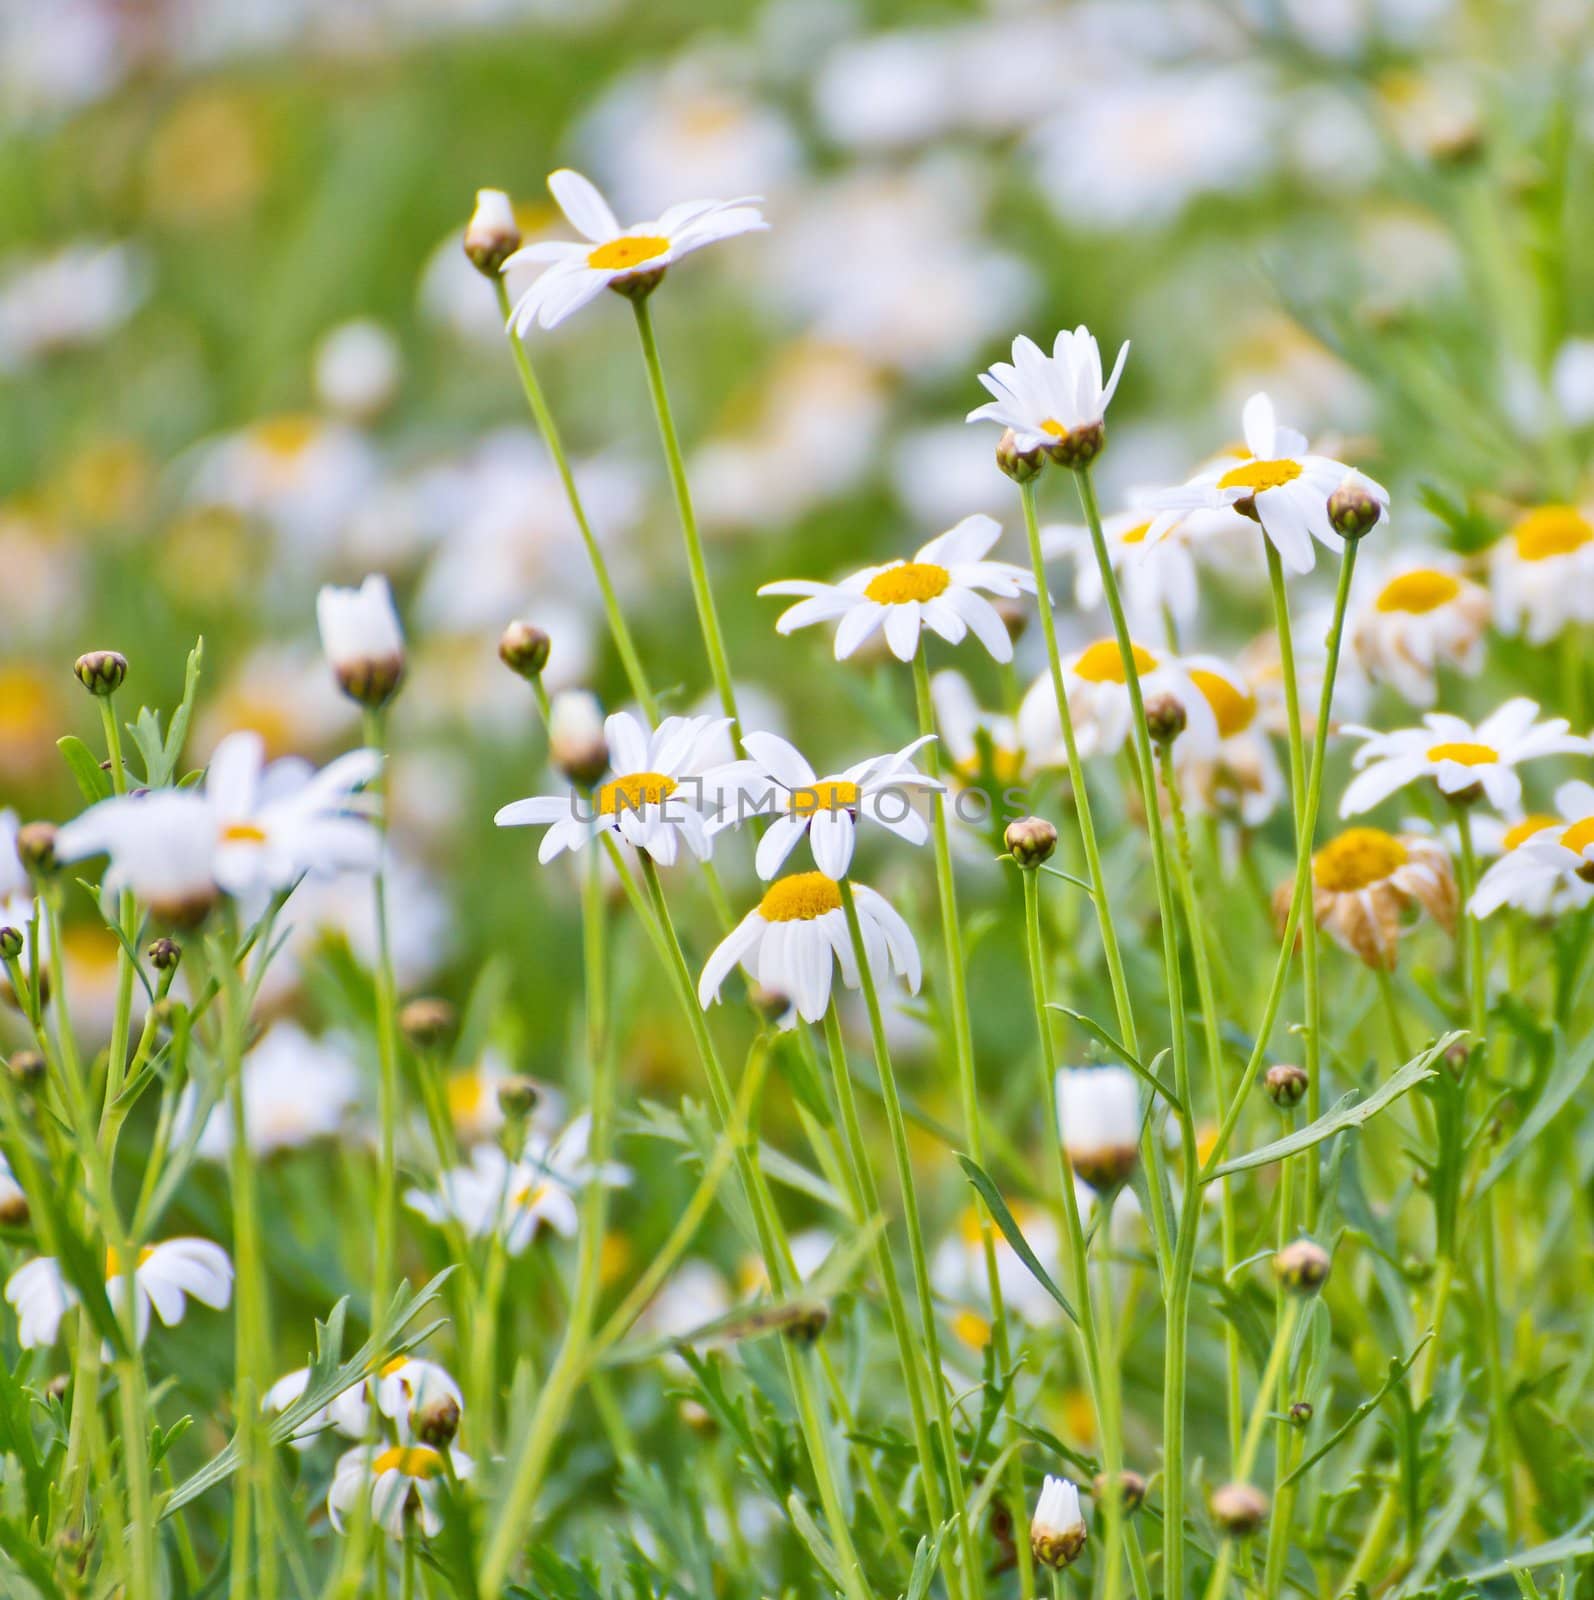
1418,614
362,639
1098,701
940,588
1363,882
1542,573
613,256
1240,775
1057,1532
1155,577
164,1276
788,940
1276,481
1460,758
402,1481
652,798
778,781
1098,1118
1054,403
1546,863
515,1198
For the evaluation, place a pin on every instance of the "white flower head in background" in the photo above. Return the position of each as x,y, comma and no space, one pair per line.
1546,863
399,1387
1056,403
1098,1118
1240,778
362,639
295,1089
402,1481
653,797
1155,576
942,588
1542,573
1057,1531
778,781
1419,613
357,369
629,259
792,940
1276,480
1461,758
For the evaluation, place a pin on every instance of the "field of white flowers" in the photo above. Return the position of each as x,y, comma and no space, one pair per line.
796,799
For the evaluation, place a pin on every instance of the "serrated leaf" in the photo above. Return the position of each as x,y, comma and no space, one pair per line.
1003,1218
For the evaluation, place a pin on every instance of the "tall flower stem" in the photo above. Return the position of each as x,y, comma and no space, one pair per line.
1176,1349
630,661
702,594
386,1230
898,1128
1104,1392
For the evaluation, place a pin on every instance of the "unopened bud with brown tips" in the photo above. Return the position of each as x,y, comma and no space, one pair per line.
11,943
13,1207
492,235
1030,841
1356,507
436,1422
576,739
36,847
26,1066
524,650
1302,1266
426,1022
1020,465
1131,1489
1166,718
101,672
164,954
1239,1509
1286,1084
518,1097
1301,1413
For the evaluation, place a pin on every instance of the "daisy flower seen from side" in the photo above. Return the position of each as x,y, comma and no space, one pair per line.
1542,572
1056,403
1098,1119
630,260
1155,576
942,588
1546,864
1363,883
778,781
1419,613
652,798
980,744
403,1481
1057,1531
1239,777
792,940
1277,482
362,639
1461,758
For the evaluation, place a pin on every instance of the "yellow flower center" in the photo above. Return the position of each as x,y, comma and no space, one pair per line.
287,436
1358,858
1526,828
619,255
1136,534
1235,709
1579,836
466,1091
1052,426
971,1329
800,898
633,791
1551,531
1007,766
114,1265
1258,476
413,1460
243,833
1420,591
527,1195
908,580
817,797
1103,663
388,1368
1469,755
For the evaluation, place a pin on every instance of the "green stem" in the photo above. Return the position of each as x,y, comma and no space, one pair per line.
702,594
618,631
386,1230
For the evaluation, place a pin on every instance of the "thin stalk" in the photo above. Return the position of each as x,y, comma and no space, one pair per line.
618,631
702,594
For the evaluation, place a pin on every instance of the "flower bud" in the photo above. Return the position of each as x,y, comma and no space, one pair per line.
11,942
1302,1266
58,1386
362,640
164,954
1286,1084
101,672
770,1004
1165,718
36,847
1456,1058
1079,446
1131,1489
518,1097
1030,840
1354,509
492,235
426,1022
524,650
1020,465
1239,1509
436,1422
13,1208
576,739
26,1066
1301,1413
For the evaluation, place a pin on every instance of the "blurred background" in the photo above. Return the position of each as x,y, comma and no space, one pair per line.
241,353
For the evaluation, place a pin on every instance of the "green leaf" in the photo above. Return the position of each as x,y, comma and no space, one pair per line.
1564,1082
92,780
1569,1547
1351,1112
925,1560
819,1547
1122,1051
1397,1370
178,731
992,1197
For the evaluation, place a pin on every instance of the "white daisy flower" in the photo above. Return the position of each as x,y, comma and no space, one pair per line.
398,1388
402,1481
778,781
612,255
940,588
789,940
653,797
348,1412
1542,573
1240,776
1098,702
166,1274
516,1198
1546,864
973,737
1418,613
1276,481
362,639
1457,755
1054,403
1057,1531
358,365
957,1270
17,904
1155,577
1098,1119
